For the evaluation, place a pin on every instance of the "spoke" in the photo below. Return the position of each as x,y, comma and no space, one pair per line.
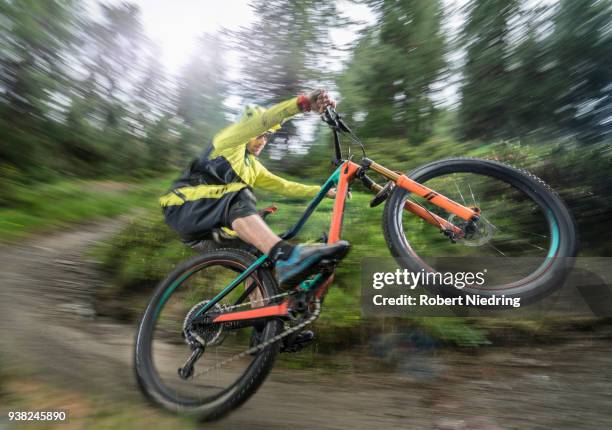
536,246
534,234
459,191
512,229
495,248
473,199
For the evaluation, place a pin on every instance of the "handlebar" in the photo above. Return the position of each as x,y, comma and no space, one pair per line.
329,116
335,122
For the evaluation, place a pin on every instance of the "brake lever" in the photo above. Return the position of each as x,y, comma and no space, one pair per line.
329,117
333,118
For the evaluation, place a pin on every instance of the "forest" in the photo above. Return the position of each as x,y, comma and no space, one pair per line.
92,125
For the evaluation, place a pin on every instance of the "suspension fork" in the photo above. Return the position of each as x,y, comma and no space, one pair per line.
468,214
420,211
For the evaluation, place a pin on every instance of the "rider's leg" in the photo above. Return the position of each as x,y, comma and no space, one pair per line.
292,263
254,230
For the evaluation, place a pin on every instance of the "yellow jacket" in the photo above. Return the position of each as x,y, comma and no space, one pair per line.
228,167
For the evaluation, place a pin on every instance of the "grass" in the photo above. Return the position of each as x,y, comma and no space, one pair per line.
47,206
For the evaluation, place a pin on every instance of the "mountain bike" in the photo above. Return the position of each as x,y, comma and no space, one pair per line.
223,310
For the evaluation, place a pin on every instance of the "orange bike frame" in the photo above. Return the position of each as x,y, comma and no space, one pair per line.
348,171
342,178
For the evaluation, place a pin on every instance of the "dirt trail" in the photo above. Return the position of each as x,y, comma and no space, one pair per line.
48,326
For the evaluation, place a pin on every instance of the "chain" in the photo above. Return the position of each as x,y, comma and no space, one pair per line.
252,302
261,346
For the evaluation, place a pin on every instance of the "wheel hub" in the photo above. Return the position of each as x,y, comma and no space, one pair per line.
475,233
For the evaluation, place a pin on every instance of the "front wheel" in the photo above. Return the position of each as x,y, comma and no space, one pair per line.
524,227
163,343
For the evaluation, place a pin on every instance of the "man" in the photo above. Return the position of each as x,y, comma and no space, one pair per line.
216,190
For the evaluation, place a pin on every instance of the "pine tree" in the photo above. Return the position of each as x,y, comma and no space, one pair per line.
530,102
202,90
282,50
285,52
33,72
487,83
582,47
391,77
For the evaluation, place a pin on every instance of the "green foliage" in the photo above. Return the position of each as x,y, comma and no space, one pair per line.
33,69
537,70
84,98
44,206
202,90
456,331
30,54
283,49
390,78
145,251
88,97
581,46
486,86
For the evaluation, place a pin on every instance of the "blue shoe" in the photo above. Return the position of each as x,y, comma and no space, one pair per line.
304,260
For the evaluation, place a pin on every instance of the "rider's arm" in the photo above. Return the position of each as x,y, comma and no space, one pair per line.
240,133
270,182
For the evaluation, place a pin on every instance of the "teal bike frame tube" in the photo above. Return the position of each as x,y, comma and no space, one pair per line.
331,181
233,284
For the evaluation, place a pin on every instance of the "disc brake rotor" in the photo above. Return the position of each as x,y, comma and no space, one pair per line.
481,233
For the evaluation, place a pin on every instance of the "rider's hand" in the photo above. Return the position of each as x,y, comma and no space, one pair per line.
319,100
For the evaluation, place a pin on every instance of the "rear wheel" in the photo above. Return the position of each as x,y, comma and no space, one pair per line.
524,228
162,348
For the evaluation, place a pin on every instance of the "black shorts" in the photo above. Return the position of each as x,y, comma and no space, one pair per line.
194,220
